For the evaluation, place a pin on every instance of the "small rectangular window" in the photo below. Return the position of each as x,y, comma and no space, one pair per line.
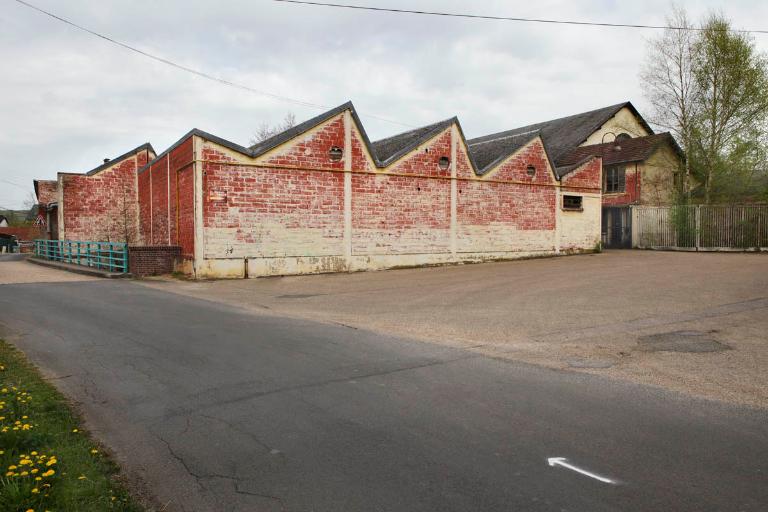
615,180
572,203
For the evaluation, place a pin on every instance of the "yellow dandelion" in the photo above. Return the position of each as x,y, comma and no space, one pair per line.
35,490
48,473
24,473
82,477
33,453
37,478
75,430
94,451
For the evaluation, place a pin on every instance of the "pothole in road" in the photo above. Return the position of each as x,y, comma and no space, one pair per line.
681,341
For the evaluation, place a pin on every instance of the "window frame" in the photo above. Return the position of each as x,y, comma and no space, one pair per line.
577,207
615,184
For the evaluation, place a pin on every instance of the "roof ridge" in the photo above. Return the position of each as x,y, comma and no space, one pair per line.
113,161
510,136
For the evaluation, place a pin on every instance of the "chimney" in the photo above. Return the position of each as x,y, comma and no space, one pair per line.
106,160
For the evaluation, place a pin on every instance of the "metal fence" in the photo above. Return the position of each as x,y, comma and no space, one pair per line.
110,256
701,227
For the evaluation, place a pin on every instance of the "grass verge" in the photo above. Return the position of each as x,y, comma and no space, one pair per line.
48,462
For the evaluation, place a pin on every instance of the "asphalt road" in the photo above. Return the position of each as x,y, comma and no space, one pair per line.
217,408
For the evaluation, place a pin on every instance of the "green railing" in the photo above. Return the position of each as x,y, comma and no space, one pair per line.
110,256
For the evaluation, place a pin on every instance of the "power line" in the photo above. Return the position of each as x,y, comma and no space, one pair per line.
503,18
193,71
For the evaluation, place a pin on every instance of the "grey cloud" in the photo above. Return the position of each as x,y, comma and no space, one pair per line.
72,99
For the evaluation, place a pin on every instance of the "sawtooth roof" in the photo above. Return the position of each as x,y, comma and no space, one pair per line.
559,137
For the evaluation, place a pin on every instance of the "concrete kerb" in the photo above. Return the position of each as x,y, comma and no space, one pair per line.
79,269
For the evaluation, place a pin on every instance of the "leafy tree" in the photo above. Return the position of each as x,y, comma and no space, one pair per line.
733,106
709,87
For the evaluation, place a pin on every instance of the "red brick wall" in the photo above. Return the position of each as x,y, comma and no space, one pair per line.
424,161
631,193
273,211
519,206
186,211
152,260
516,168
166,200
47,191
159,175
312,150
527,203
588,177
98,207
145,211
400,214
24,233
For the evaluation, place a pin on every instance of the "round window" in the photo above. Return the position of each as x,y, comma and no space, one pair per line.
531,171
335,153
444,162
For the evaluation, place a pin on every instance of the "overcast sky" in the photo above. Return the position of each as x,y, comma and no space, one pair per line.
68,99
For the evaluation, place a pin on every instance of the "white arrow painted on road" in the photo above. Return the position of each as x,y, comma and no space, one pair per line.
562,461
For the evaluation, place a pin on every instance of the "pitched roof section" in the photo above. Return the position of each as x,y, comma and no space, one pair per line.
122,157
490,151
623,151
390,149
282,137
565,133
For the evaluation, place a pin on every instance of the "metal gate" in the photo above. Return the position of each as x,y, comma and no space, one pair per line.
617,227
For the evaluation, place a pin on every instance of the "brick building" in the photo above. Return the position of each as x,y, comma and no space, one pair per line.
639,166
101,204
321,197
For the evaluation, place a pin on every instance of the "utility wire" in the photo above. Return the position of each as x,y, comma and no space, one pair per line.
502,18
193,71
